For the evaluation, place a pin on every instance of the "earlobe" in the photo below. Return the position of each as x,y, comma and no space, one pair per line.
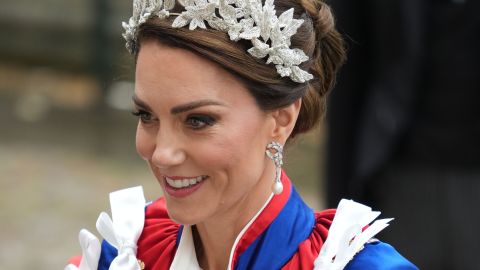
285,119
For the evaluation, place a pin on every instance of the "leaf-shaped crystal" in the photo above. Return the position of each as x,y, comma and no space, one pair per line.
239,13
260,49
162,14
247,23
137,8
283,71
181,21
276,37
234,32
259,44
276,59
197,22
150,9
126,26
266,22
241,4
250,33
285,18
169,4
219,24
227,12
291,29
186,3
203,11
299,75
200,2
257,53
292,57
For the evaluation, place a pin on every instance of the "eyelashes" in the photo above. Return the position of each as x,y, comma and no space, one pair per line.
192,121
199,121
144,116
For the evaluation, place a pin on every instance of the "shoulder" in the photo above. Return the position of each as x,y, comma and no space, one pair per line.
159,239
309,249
159,230
349,244
157,243
379,256
340,239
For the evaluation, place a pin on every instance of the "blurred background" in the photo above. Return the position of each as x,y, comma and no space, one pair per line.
404,124
66,132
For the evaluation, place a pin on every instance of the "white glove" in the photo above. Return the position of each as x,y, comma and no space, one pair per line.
90,252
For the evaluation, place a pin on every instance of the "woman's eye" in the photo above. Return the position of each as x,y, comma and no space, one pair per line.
199,121
144,116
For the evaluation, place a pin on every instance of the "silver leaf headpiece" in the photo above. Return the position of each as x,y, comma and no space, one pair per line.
241,19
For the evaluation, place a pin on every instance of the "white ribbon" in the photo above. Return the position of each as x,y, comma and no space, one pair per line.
345,236
128,214
90,252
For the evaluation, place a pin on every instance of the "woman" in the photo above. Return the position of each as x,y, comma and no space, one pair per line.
216,103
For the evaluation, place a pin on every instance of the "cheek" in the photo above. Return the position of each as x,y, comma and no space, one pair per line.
145,143
238,148
249,150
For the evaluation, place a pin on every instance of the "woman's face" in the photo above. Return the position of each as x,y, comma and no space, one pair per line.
202,134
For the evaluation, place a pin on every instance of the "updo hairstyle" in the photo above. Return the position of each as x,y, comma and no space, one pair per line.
317,37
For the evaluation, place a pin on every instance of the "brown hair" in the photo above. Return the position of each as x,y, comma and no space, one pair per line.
317,37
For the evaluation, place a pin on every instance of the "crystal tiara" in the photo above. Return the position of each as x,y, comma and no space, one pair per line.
241,19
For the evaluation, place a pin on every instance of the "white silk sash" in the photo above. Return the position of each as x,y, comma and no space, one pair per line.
121,231
125,227
346,236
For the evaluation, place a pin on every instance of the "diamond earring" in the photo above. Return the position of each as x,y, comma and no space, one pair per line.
275,152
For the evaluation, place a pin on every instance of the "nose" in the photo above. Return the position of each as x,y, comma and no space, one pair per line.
168,151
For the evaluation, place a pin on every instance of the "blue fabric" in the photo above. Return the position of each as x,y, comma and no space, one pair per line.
106,257
280,241
179,234
379,256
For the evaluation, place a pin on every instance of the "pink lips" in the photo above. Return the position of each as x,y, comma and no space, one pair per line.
182,191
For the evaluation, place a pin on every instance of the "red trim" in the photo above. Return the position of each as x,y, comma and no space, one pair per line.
308,250
269,213
157,244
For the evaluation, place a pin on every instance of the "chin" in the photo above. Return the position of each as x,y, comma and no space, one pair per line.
178,214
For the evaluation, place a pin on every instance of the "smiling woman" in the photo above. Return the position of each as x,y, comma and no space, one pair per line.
198,122
213,118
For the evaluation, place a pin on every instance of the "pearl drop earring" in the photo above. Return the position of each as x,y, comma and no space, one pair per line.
275,152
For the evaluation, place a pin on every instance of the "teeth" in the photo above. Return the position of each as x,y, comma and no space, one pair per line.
183,183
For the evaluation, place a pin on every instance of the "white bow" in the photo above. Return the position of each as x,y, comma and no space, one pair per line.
128,214
90,252
345,236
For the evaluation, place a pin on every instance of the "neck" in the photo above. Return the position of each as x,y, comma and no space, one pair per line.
214,238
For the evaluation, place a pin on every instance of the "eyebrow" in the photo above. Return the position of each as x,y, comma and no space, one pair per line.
140,103
193,105
180,108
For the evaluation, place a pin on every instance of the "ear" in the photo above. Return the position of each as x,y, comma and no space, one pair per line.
285,119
